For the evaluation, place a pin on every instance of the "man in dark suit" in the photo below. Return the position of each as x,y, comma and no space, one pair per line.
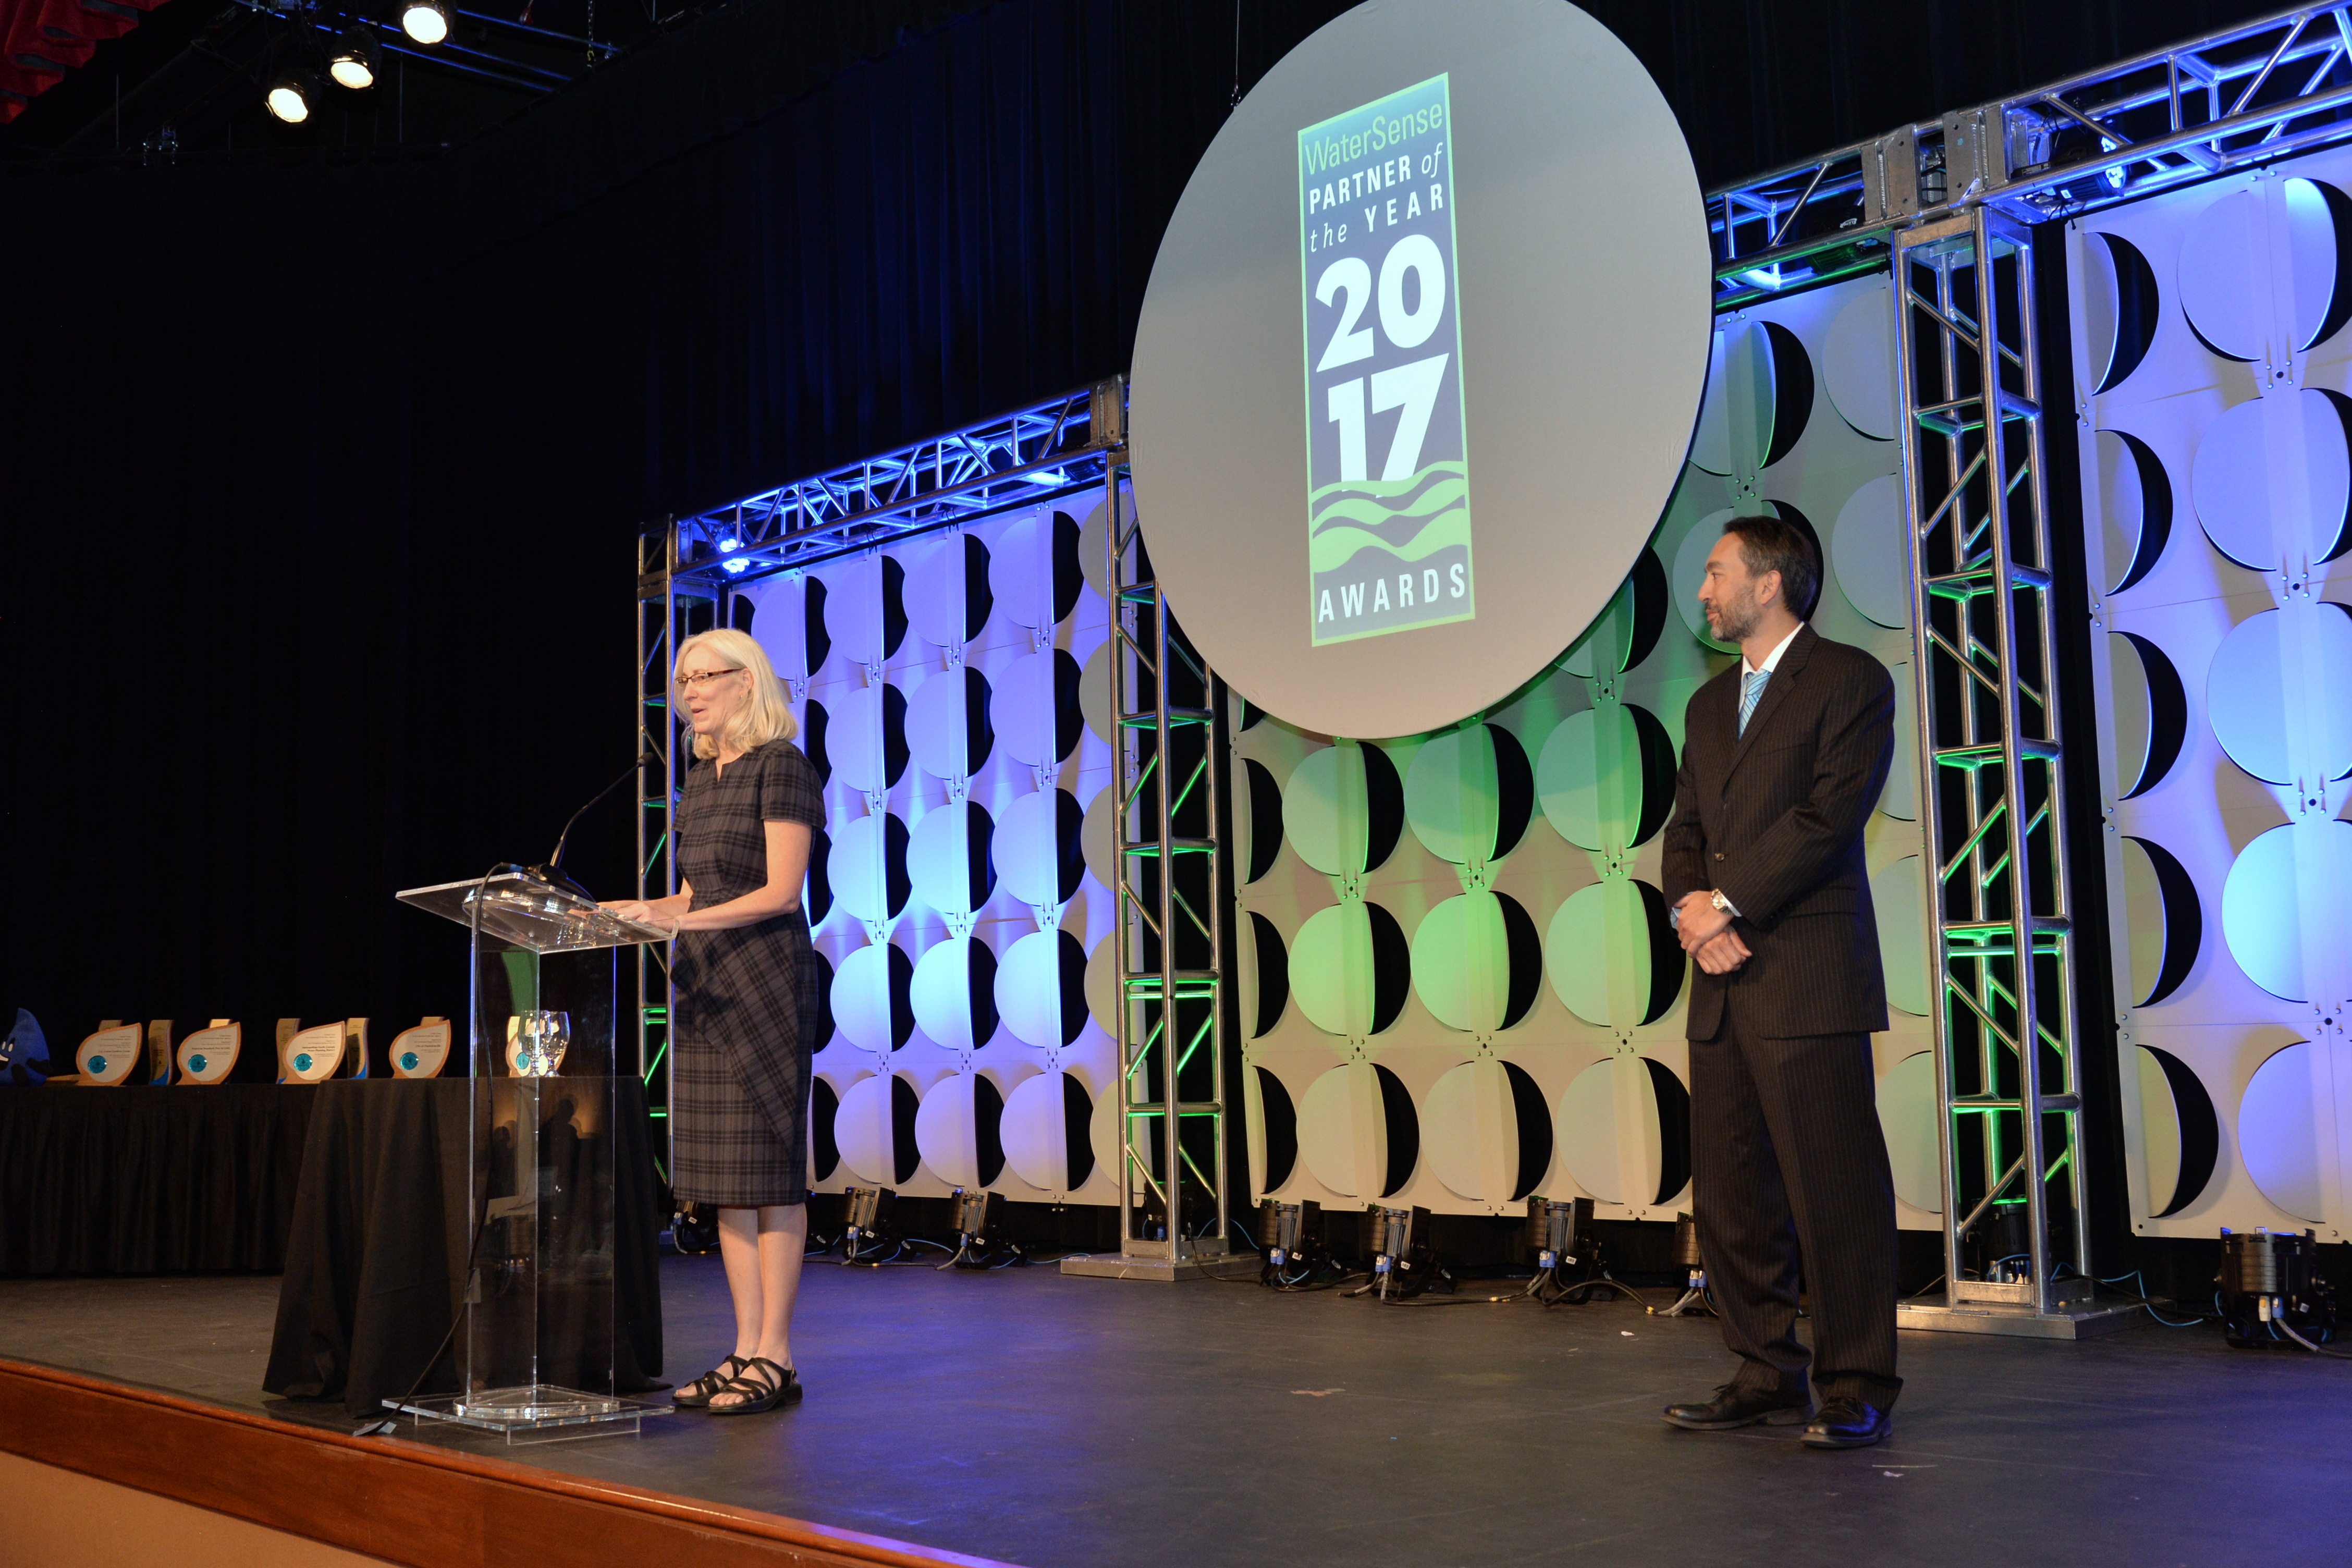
1783,762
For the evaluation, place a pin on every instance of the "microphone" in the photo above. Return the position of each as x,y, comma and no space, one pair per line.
551,870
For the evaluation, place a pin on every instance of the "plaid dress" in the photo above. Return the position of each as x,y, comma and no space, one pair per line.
746,998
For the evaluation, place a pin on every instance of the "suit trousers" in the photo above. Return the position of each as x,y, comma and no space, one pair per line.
1789,1166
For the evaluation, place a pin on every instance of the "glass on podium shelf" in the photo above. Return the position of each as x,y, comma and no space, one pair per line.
535,1343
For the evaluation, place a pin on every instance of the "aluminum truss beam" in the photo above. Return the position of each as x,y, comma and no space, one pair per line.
1170,762
2243,96
1992,761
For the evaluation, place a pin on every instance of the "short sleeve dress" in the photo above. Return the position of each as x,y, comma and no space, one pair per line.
745,1014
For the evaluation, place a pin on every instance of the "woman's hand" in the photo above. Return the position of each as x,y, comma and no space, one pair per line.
642,913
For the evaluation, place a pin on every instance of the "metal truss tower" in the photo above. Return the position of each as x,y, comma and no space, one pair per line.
1169,760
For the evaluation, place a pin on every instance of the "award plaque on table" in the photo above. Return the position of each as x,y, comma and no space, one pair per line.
535,1339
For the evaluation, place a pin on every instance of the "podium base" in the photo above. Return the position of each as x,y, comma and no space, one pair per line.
535,1412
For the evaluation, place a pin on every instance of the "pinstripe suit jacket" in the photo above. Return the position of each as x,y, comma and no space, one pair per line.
1773,818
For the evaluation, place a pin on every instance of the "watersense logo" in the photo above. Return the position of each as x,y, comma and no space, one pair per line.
1387,551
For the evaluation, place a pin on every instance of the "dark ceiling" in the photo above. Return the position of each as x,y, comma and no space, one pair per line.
187,79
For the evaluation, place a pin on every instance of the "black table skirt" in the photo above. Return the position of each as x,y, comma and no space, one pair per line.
148,1181
377,1260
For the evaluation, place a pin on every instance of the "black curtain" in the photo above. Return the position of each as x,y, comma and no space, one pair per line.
321,477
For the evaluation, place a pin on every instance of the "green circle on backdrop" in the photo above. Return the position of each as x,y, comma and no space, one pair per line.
1577,948
1462,963
1568,772
1332,969
1452,798
1547,367
1341,809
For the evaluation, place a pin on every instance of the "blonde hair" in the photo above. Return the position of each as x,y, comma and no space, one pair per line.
765,716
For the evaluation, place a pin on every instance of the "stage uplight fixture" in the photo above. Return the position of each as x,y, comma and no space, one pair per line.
292,96
866,1227
1404,1263
978,1223
2270,1287
428,22
353,62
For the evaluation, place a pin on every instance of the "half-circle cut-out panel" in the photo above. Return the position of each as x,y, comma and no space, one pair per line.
959,1129
1041,989
1690,563
1046,1130
1035,709
2267,663
1900,797
787,623
1869,554
1038,848
2278,1131
1611,956
1034,568
947,728
868,868
2272,481
1102,986
1858,362
1095,695
1906,1116
873,997
814,722
865,607
947,594
2163,918
1626,631
1477,962
2228,276
1486,1131
1272,972
824,1113
1669,1102
1350,969
1264,840
2135,502
1095,836
1588,1132
816,890
1606,776
1759,387
1358,1132
948,857
2120,308
867,739
2152,712
823,1021
2181,1134
954,994
1343,809
1468,794
875,1130
1094,539
2261,901
1274,1122
1898,897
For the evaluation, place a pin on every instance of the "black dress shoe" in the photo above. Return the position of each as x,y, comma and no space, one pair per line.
1847,1424
1731,1407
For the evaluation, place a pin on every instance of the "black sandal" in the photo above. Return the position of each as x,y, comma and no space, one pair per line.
758,1392
697,1394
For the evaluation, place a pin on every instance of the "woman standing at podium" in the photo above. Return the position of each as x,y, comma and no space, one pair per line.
745,978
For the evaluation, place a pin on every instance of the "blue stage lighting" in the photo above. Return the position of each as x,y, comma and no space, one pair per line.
1047,476
736,566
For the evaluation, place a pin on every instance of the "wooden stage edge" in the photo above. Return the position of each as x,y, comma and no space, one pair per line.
399,1501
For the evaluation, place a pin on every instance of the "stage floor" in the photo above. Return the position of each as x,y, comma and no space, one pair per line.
1056,1423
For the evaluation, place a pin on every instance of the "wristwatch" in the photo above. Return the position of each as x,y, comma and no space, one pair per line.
1720,904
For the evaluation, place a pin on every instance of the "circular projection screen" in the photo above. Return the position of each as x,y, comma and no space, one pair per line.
1421,356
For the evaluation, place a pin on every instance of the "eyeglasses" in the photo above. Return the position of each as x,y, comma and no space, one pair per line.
701,678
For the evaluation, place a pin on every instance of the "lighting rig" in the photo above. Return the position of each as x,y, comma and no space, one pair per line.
350,48
2269,1289
868,1238
1404,1263
1568,1256
1694,1299
979,1224
1291,1238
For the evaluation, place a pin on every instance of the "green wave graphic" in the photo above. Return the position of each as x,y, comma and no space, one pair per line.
1333,549
1377,487
1439,497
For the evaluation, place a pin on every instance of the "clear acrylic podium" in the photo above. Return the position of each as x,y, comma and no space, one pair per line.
535,1339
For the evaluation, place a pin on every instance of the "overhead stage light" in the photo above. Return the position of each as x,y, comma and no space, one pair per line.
353,62
292,95
426,21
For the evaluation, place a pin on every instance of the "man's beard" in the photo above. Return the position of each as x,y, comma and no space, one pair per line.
1735,619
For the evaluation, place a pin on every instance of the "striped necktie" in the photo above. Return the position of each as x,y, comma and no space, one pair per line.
1751,689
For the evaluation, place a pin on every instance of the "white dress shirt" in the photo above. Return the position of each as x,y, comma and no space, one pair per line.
1771,662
